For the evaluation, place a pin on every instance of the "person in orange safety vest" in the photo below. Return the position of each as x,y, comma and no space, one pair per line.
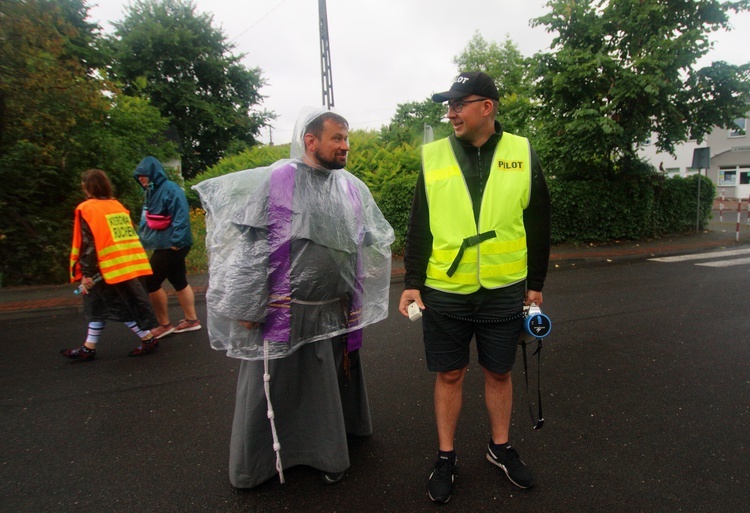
108,258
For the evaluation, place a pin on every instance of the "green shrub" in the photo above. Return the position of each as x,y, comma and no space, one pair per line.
257,156
395,203
197,258
636,206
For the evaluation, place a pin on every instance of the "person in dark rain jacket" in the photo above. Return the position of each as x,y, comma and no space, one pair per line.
165,229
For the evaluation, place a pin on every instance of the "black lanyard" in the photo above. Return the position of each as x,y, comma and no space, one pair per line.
538,424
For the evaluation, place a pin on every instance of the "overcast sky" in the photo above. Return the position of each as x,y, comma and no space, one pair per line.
383,52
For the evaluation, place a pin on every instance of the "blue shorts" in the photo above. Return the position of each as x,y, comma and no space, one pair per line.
450,321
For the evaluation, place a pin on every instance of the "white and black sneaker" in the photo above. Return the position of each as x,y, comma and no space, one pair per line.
332,477
507,458
440,484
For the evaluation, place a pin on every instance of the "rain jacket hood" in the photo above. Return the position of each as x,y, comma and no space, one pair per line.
151,168
165,198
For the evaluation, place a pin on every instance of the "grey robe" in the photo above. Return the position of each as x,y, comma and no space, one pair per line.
315,402
315,406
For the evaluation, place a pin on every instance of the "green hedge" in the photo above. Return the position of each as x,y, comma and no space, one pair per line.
634,207
395,203
638,205
257,156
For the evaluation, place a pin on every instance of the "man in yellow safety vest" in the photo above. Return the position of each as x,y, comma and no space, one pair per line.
477,250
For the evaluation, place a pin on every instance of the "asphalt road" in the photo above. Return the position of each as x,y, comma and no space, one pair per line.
646,383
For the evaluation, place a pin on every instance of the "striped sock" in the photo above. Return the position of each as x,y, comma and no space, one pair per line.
143,335
94,332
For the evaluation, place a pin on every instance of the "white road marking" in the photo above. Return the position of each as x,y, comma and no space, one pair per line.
702,256
726,263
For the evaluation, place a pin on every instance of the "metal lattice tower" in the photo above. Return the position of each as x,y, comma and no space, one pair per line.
325,57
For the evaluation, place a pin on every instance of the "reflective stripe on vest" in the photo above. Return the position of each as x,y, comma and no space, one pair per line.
277,327
489,260
119,252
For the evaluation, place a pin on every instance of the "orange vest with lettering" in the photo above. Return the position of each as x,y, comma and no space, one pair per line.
119,252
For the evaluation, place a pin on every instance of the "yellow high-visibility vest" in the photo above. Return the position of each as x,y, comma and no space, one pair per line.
465,256
119,251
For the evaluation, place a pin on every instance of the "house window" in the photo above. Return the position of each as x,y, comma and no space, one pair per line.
744,176
740,127
727,177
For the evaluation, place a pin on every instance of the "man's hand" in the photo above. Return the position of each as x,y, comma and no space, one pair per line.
409,296
251,325
533,296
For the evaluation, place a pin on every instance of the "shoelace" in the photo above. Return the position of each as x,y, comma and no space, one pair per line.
512,459
443,468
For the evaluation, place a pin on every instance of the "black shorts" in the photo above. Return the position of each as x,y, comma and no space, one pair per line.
447,339
167,264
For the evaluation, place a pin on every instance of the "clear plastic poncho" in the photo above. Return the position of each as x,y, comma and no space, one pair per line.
303,251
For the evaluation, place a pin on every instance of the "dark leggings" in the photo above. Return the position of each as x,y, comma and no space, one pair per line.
167,264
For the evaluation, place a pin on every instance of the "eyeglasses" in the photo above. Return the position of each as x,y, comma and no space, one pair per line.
458,105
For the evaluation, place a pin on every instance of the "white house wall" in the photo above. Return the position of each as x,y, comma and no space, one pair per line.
739,159
679,165
726,152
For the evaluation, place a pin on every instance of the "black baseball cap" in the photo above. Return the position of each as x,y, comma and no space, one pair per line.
469,82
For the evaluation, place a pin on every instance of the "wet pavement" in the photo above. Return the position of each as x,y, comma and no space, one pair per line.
645,402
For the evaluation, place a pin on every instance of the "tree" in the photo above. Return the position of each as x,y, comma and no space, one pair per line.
84,41
172,55
513,77
59,117
377,165
407,125
48,103
131,129
624,69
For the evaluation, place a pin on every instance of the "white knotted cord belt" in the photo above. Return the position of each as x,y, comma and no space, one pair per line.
267,388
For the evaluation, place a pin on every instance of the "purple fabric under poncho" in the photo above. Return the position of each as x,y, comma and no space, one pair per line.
304,251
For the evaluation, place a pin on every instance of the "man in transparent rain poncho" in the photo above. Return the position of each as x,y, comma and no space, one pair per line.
299,262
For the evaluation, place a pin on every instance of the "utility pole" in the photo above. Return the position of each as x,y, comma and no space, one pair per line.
325,57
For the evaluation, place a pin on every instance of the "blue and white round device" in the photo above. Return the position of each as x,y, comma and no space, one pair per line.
536,323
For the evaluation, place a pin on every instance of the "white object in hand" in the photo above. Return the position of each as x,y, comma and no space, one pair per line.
414,312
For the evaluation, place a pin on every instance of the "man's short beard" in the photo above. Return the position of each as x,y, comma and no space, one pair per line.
328,164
